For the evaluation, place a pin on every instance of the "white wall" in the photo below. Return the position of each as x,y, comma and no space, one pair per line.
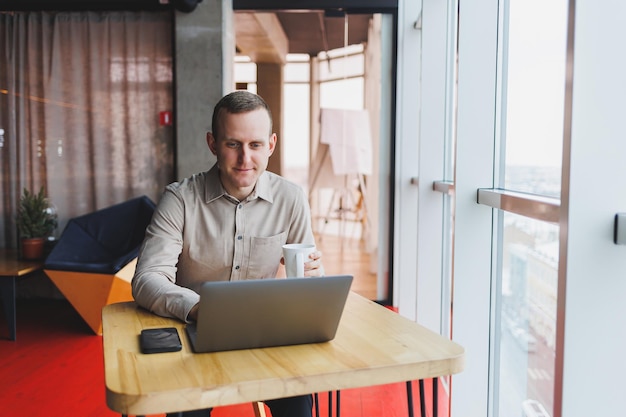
595,303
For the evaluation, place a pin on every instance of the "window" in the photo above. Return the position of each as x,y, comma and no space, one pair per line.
526,241
526,312
533,68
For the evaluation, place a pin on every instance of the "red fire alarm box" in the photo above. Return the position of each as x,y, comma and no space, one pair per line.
165,118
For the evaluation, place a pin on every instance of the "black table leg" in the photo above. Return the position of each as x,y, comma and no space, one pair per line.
435,397
422,398
316,400
330,404
7,288
409,397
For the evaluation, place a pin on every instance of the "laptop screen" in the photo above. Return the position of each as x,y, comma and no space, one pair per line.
268,312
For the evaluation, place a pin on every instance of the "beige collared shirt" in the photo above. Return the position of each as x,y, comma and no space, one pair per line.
199,233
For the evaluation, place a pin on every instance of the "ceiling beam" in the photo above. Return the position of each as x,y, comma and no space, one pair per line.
365,6
261,37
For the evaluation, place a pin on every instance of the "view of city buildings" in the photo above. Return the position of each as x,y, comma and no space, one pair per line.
528,294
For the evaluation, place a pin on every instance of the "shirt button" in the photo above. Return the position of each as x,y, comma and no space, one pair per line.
237,267
239,237
240,206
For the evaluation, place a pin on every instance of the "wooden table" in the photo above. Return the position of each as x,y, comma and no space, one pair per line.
11,268
373,346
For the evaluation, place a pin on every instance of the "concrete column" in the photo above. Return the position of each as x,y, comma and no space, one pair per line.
205,48
270,87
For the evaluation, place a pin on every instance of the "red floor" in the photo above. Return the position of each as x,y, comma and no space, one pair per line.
55,368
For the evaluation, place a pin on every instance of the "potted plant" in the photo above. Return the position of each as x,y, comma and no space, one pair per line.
36,220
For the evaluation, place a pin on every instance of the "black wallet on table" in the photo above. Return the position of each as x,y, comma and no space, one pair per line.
164,339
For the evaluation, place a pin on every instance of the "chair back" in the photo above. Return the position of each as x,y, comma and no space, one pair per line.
103,241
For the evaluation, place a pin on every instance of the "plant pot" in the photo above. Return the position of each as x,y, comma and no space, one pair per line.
32,249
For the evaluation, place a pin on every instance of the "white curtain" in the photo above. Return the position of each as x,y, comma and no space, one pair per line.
80,99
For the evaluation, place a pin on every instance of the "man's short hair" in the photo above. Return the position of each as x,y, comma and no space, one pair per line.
240,101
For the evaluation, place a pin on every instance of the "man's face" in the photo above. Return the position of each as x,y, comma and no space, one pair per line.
242,150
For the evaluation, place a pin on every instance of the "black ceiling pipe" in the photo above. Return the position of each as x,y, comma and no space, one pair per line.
350,6
186,6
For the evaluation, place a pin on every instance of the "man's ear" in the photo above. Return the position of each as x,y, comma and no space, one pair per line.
272,143
210,140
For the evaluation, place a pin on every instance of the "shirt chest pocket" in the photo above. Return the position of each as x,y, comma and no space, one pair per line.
264,255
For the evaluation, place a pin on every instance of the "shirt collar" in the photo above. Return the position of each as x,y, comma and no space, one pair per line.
213,187
263,188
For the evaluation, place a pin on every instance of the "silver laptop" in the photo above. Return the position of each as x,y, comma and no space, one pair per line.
268,312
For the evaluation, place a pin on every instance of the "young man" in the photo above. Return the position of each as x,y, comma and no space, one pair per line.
226,224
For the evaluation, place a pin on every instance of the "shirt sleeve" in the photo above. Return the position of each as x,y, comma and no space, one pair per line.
300,230
154,283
